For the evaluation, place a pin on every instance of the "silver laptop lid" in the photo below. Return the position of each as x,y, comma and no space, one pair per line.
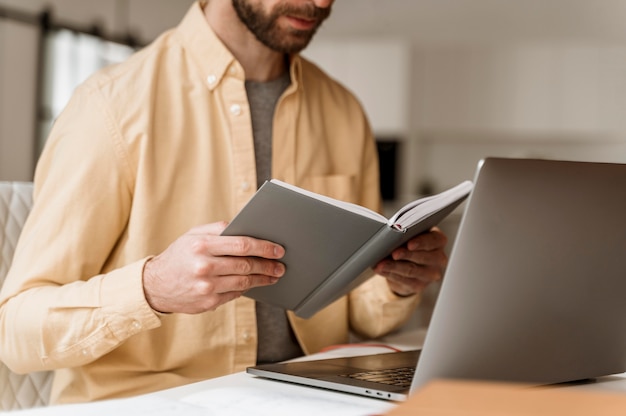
536,286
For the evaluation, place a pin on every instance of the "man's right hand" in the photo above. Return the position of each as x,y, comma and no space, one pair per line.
202,270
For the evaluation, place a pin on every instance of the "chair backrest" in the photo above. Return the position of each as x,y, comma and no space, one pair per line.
17,391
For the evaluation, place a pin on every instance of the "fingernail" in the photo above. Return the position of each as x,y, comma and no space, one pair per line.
279,270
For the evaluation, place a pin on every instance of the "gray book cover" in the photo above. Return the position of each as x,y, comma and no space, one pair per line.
328,245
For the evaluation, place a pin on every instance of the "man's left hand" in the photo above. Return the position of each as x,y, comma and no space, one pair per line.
412,267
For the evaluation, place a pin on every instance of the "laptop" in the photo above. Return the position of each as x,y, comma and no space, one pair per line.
534,292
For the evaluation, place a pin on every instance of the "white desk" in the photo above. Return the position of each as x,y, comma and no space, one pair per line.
232,395
243,394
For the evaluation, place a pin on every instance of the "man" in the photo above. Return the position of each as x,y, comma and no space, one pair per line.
121,281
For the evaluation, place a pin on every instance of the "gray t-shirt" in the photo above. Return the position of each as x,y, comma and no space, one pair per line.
277,341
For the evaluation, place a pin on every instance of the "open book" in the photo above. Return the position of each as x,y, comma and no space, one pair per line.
330,245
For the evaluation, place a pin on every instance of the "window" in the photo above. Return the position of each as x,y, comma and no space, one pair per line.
70,58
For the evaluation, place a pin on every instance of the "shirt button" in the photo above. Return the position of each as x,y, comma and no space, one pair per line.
211,79
246,336
245,186
136,325
232,70
84,351
235,109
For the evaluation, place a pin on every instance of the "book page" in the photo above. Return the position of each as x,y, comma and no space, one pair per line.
332,201
147,405
415,211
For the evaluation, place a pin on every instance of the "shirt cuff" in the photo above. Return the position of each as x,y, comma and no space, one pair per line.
122,296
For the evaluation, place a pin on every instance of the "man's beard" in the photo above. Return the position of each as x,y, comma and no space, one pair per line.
266,29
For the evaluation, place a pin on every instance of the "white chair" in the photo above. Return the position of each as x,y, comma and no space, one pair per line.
17,391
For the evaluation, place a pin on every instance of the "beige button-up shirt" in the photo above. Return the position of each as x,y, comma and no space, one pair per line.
143,152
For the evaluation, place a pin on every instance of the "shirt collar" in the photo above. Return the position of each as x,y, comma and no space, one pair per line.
211,55
205,48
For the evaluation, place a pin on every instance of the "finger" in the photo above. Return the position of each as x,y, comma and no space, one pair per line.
240,284
432,240
404,286
409,270
435,258
208,294
243,247
241,266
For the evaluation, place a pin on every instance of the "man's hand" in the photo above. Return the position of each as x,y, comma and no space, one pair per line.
411,268
202,270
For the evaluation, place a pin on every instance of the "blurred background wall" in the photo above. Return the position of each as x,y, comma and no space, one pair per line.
445,82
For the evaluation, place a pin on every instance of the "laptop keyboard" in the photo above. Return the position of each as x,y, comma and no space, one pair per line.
400,377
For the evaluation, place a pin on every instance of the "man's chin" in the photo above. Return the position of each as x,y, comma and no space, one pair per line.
292,43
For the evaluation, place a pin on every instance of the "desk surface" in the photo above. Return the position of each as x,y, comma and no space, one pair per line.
244,394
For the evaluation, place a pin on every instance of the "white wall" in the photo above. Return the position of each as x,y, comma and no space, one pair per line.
550,100
457,80
377,69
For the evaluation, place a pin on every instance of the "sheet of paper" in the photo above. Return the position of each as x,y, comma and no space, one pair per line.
135,406
247,401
